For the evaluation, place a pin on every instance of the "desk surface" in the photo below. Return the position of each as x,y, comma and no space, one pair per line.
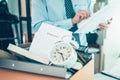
14,75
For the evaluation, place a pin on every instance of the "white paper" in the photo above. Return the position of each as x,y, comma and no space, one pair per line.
46,37
92,23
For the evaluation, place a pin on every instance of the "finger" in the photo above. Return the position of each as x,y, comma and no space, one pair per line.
103,26
109,21
82,14
85,13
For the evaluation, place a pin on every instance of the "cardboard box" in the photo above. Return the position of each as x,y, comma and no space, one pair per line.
85,73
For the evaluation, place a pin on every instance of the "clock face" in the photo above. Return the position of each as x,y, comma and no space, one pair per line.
61,52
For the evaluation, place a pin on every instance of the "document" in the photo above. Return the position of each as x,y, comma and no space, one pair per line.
46,37
92,22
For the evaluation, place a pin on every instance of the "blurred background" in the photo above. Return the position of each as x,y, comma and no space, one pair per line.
108,41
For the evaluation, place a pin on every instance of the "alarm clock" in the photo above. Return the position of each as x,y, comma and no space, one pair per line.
63,54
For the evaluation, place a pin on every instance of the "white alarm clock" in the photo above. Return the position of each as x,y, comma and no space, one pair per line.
63,54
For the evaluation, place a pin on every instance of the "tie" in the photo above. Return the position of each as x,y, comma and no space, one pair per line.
69,9
70,13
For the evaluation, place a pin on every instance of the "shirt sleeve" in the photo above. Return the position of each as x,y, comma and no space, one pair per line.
79,5
39,15
82,5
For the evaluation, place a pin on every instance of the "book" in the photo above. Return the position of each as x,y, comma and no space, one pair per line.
35,68
27,54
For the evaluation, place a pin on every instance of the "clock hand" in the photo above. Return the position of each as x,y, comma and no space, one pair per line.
61,55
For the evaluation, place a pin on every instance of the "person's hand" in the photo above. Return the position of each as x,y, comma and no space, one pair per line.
104,26
80,15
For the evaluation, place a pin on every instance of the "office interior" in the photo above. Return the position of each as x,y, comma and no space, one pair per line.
108,42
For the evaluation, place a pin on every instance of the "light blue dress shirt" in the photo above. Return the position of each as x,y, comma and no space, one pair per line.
53,12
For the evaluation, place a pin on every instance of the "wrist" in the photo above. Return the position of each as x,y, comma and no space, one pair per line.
73,21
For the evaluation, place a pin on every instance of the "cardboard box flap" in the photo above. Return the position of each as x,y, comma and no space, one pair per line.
86,73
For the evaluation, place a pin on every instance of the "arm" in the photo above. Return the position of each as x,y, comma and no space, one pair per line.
39,15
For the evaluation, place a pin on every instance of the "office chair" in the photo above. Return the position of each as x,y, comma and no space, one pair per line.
6,21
